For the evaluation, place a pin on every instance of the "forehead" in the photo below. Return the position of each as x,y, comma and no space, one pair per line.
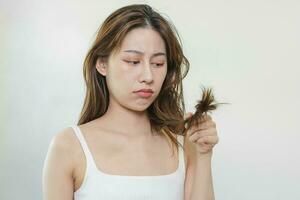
144,40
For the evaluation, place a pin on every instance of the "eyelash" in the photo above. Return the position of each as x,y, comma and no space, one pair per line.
158,64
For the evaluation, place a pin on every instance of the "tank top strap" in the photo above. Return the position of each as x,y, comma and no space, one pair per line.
89,158
180,139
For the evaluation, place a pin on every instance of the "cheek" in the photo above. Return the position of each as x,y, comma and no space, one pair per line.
161,75
123,72
119,81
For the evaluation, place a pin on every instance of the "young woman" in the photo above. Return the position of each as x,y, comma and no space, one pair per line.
126,143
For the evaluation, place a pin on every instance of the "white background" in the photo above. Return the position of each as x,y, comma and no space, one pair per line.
248,51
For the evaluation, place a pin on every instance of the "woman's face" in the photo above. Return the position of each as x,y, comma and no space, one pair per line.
141,63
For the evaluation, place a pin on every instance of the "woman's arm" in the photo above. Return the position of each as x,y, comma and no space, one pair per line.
200,140
57,170
203,184
198,182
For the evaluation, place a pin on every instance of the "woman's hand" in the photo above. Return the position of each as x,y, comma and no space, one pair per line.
204,136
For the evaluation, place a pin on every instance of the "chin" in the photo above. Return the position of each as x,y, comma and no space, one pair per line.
139,108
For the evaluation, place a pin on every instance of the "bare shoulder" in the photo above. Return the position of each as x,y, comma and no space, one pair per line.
61,148
63,142
60,153
63,138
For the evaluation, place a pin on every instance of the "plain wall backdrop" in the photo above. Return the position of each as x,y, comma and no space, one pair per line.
247,51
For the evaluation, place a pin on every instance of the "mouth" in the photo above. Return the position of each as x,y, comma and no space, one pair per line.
145,90
144,94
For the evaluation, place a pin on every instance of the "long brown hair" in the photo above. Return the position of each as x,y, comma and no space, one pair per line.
167,111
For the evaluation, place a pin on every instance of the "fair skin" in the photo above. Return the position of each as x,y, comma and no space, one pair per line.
124,128
142,70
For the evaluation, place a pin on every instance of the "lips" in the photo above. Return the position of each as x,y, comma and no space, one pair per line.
144,93
145,90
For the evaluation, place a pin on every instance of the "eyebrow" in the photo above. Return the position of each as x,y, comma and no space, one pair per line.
139,52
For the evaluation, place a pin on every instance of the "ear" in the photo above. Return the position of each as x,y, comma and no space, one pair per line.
101,66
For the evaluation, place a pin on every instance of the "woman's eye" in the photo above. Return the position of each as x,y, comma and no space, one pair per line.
136,62
159,64
133,62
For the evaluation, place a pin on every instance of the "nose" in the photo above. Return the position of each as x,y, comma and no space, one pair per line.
146,74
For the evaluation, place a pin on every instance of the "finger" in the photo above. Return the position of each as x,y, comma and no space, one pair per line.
205,125
198,134
207,146
202,130
212,140
205,117
208,124
202,120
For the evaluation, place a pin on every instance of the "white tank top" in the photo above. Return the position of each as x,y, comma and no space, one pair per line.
98,185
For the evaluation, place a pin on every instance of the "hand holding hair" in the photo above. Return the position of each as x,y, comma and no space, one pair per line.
199,127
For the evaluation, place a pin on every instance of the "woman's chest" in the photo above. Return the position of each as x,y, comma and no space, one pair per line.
125,158
137,160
